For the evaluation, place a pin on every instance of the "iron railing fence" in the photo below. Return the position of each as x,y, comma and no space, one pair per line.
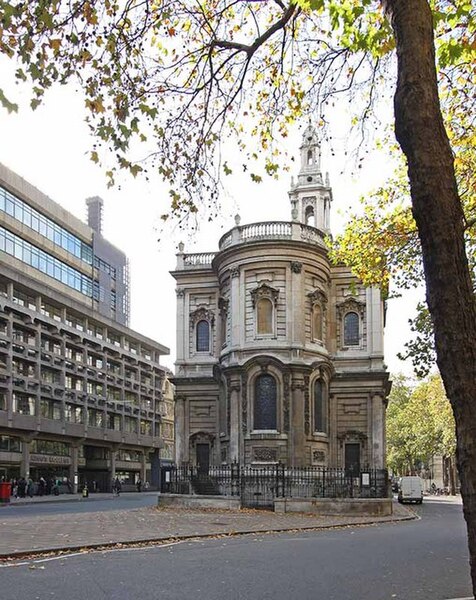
264,483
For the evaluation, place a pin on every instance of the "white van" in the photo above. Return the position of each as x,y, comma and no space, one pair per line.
410,489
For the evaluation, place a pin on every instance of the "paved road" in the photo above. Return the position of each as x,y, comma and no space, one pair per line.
413,560
75,504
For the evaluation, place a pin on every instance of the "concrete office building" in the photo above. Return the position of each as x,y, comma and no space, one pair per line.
80,392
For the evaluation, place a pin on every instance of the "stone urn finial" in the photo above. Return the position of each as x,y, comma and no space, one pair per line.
237,220
181,247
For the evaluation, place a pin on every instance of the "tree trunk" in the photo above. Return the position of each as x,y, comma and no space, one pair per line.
439,217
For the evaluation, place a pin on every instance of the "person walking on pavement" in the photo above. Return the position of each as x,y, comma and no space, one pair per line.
21,487
117,486
139,485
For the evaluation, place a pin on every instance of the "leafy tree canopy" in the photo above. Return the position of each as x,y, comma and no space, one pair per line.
420,424
380,242
182,75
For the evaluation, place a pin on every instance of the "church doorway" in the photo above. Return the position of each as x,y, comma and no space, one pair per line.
352,460
203,457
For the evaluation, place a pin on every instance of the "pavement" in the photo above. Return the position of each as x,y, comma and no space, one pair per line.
26,535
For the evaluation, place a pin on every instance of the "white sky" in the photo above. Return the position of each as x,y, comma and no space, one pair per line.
49,148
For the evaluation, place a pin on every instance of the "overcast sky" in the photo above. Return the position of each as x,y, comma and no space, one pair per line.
49,148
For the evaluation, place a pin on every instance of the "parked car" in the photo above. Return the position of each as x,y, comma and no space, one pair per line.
410,489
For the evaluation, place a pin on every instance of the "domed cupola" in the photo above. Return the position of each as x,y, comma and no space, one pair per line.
311,197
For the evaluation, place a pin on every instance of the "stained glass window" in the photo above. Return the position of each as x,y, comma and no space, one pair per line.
264,311
265,403
351,329
203,336
320,406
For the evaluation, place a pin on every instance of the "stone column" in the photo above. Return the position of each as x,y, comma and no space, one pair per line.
182,323
180,430
378,433
143,467
73,468
113,464
333,449
300,420
25,458
297,334
234,398
235,307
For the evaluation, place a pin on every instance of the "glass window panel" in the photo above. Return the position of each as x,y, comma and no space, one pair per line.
351,329
10,207
320,406
203,336
265,403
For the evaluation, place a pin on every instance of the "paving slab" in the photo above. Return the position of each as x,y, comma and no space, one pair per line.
55,532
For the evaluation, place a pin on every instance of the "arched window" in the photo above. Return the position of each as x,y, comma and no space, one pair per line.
317,322
309,157
310,217
264,313
203,336
351,329
320,406
264,416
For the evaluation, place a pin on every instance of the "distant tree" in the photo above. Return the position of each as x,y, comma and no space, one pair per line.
420,425
187,73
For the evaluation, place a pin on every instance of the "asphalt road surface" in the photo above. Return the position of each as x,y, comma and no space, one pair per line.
91,504
414,560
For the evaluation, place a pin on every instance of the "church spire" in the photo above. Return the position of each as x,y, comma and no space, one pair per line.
310,157
310,196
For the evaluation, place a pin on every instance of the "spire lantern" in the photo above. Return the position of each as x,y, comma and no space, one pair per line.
310,196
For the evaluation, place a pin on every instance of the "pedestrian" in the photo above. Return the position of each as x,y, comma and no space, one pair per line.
30,487
21,487
117,486
14,488
139,485
41,486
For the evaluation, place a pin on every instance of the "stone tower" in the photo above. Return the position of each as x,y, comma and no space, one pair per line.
311,196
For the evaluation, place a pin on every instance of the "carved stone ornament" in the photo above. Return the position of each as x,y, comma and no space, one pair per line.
223,454
202,314
201,437
296,267
235,272
318,297
262,454
318,456
264,291
351,304
223,304
180,292
352,435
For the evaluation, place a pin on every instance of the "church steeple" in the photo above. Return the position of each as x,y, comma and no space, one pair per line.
311,197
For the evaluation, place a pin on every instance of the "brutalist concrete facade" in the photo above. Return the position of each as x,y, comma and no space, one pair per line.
80,393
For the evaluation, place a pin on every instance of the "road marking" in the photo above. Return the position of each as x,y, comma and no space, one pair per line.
89,551
466,598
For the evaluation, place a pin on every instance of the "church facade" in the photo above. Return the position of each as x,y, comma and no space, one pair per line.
279,353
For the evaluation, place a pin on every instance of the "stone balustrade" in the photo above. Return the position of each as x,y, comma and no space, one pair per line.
242,234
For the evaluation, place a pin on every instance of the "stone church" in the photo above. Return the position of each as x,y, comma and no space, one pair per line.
279,353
